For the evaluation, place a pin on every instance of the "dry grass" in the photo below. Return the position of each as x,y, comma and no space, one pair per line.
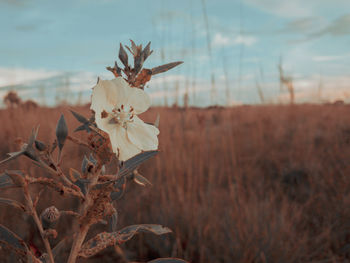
246,184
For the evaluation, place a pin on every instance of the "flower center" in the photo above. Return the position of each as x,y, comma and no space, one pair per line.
123,115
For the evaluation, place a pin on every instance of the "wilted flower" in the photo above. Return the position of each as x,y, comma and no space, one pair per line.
116,105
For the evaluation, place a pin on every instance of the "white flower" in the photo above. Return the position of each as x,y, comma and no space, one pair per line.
116,105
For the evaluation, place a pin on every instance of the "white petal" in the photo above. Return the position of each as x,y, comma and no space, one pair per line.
122,145
103,123
143,135
138,99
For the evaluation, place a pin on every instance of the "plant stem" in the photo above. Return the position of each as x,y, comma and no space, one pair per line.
38,223
78,241
83,228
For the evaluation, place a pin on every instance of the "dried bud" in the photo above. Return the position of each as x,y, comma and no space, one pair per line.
49,217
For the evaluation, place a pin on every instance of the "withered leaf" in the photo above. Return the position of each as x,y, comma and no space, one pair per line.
103,240
16,176
74,175
142,78
139,179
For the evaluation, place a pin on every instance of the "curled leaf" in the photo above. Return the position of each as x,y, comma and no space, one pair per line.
103,240
139,179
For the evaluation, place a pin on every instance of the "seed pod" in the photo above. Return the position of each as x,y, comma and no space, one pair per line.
49,217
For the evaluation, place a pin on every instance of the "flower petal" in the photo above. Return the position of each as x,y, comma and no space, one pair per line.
109,93
122,145
143,135
138,99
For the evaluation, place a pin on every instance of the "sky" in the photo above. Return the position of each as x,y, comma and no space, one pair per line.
55,50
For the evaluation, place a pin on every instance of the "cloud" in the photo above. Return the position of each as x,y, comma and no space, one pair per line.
220,40
16,76
327,58
299,8
338,27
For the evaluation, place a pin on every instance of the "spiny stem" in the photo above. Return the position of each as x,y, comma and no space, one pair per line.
37,221
83,230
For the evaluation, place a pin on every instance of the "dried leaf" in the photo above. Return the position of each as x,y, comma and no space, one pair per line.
130,165
61,132
16,176
82,184
74,175
167,260
103,240
13,203
139,179
165,67
142,78
128,232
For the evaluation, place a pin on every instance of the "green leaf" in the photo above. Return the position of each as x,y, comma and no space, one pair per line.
113,222
120,187
5,181
167,260
12,155
123,56
12,239
165,67
61,132
130,165
13,203
79,117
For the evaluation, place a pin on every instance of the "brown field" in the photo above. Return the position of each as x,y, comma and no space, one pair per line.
243,184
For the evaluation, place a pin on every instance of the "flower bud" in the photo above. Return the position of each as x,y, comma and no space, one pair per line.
49,217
